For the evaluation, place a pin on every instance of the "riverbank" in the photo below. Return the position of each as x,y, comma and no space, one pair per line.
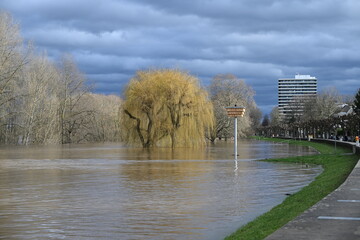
336,169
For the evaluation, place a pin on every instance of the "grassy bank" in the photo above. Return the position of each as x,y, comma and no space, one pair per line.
336,169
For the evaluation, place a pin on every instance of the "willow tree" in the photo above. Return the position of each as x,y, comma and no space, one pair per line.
166,108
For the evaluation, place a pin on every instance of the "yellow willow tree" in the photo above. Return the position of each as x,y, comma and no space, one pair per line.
166,107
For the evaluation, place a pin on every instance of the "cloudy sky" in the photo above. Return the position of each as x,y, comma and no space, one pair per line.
256,40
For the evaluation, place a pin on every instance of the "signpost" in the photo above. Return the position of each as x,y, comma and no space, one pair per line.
235,112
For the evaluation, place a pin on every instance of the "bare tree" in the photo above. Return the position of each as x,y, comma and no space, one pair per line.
323,106
104,120
13,57
274,117
39,104
72,89
327,102
227,90
42,103
223,124
255,115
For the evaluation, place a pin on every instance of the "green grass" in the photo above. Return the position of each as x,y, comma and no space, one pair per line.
336,169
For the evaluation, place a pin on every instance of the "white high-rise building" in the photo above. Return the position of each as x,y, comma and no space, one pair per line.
293,92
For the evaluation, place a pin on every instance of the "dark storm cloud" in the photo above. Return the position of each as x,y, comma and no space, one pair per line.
259,41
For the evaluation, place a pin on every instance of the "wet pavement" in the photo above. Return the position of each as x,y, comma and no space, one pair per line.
337,216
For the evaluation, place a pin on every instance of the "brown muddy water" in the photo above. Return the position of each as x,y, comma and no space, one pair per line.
108,191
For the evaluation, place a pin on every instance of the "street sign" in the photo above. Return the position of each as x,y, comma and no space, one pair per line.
235,111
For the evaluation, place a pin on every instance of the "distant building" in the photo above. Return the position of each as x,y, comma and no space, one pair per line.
343,110
293,92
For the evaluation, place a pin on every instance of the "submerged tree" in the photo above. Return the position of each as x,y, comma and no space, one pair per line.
102,123
39,105
13,57
166,108
227,90
72,88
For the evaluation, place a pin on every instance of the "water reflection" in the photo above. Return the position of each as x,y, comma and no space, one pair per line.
112,192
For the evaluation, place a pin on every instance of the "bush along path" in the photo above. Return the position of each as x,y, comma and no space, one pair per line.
337,168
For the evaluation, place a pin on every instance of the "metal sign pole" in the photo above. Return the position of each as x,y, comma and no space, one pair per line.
235,112
235,138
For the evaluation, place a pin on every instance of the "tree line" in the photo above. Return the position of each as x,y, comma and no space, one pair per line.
320,118
44,102
47,102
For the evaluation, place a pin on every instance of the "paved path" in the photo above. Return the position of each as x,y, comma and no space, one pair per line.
337,216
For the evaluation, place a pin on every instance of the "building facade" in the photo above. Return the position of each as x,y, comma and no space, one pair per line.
293,93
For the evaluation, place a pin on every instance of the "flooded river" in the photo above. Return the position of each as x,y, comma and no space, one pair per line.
108,191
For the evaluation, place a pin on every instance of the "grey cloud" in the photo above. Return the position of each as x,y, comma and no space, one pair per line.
256,40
